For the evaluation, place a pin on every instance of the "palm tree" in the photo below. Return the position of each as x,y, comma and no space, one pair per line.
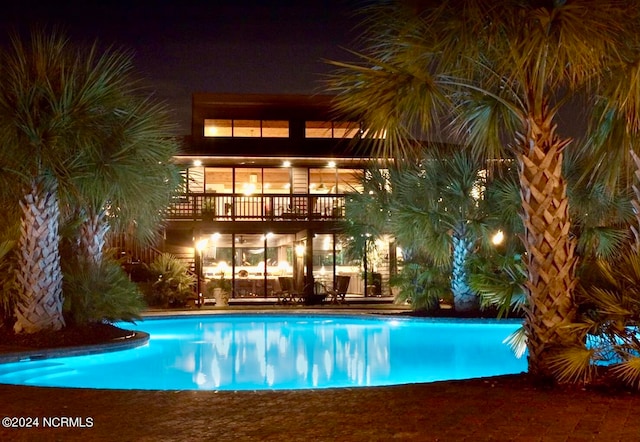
613,137
498,273
436,208
421,281
56,101
127,181
367,212
440,203
499,73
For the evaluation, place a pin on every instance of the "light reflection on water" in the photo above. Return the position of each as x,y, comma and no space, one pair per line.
247,352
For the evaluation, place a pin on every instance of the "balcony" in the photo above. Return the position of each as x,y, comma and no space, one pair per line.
265,207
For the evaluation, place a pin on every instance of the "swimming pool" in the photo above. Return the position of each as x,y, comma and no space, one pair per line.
260,351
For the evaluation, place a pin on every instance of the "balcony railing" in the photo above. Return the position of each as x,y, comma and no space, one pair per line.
266,207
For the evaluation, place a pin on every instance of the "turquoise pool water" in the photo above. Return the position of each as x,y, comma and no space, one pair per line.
255,352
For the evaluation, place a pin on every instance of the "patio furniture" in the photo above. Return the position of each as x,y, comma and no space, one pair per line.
254,286
286,294
339,292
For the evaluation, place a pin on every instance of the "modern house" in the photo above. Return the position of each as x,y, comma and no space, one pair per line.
266,182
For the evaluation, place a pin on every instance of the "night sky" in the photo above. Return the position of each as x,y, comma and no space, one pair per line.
237,46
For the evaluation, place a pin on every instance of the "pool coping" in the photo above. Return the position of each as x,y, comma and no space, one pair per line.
312,312
133,340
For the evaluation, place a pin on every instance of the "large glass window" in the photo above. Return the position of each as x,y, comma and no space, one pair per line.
218,128
328,129
218,180
257,268
345,130
322,180
256,193
256,180
275,129
318,129
349,180
246,128
277,180
323,259
249,180
216,255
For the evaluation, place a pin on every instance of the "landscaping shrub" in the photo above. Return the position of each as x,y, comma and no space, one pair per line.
172,284
8,284
100,292
421,286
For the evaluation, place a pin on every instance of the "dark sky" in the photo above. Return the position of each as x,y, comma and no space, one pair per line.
237,46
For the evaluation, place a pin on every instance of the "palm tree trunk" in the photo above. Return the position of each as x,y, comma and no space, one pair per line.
39,274
550,257
93,232
464,299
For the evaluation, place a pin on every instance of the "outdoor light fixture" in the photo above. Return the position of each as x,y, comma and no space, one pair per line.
300,250
201,245
286,164
197,163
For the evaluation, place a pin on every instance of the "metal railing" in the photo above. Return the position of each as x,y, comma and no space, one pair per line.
264,207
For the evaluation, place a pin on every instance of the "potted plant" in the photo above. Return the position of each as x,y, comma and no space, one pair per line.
208,208
220,288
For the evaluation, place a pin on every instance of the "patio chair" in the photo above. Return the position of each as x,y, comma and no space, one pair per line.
286,294
339,292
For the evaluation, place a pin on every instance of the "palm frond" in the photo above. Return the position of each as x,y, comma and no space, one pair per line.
517,341
602,241
422,285
629,372
485,123
500,289
573,364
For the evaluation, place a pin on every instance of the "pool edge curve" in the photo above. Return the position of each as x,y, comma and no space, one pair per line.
136,339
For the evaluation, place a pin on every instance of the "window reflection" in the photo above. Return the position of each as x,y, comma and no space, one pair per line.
267,354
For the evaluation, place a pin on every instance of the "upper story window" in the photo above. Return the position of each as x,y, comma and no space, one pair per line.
330,129
246,128
218,128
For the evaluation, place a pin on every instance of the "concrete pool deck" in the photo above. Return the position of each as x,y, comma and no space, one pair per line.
504,408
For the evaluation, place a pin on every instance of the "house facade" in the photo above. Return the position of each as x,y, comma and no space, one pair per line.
266,180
